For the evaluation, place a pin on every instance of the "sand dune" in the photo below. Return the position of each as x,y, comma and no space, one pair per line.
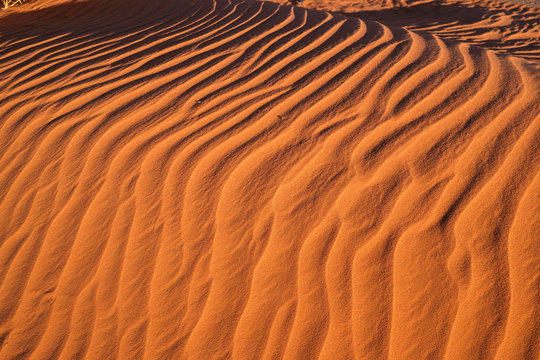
500,26
250,180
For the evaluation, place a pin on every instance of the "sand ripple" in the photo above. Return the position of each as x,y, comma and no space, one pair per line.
249,180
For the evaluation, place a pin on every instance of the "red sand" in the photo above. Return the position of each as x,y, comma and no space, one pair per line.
249,180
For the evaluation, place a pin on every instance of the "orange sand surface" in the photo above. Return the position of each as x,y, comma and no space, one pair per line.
186,179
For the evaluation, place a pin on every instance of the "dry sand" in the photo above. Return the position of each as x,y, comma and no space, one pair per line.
249,180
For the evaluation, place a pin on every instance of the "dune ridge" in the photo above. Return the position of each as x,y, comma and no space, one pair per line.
502,26
251,180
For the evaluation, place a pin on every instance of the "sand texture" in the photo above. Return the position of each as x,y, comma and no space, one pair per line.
251,180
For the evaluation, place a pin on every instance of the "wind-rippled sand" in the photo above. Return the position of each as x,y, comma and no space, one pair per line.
251,180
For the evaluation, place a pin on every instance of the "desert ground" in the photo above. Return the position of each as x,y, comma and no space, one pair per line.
242,179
